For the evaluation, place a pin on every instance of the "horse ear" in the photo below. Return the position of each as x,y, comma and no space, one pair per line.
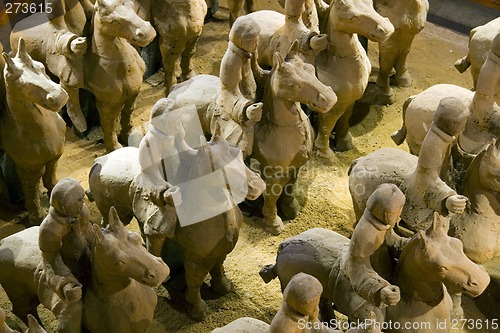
371,327
277,60
115,225
424,240
98,233
34,326
293,51
10,65
439,226
22,53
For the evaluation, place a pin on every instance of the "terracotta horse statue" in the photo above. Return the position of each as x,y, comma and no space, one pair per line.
430,261
283,138
119,296
345,66
478,227
484,122
179,24
32,132
113,68
33,325
205,244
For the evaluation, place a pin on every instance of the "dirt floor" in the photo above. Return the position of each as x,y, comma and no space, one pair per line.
322,189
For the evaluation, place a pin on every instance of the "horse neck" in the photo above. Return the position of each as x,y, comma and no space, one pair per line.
343,45
483,201
105,283
414,283
281,111
104,45
19,106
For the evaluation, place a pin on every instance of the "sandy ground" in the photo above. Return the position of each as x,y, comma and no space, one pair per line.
322,190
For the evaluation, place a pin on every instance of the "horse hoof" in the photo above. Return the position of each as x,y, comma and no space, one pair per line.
289,209
386,98
404,80
221,286
274,227
344,143
326,156
197,312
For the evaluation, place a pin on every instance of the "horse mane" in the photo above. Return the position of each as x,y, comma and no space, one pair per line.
409,248
472,173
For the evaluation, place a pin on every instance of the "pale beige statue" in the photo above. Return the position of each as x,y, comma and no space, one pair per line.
179,24
56,38
236,109
480,40
32,132
408,18
33,325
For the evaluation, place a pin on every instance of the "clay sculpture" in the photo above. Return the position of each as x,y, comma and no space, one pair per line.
236,6
55,39
423,180
289,28
33,325
179,24
112,178
118,296
32,133
479,44
483,124
408,18
345,66
477,227
113,68
235,108
291,82
429,261
300,308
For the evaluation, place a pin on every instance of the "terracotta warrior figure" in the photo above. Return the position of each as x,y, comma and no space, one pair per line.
154,150
368,263
427,190
310,42
65,235
236,109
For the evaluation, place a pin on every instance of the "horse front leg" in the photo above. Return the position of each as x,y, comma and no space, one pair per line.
74,109
288,205
343,138
49,177
170,48
402,78
219,282
387,60
110,120
195,273
274,187
30,183
126,118
187,70
327,122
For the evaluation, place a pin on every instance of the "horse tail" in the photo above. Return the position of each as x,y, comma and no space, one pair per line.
400,135
268,273
353,164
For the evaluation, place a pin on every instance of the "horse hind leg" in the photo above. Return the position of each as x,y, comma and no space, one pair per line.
343,138
30,184
195,272
171,49
219,282
110,121
288,206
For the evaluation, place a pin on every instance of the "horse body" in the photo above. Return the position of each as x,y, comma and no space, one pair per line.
113,68
429,261
179,24
408,18
345,66
32,133
122,276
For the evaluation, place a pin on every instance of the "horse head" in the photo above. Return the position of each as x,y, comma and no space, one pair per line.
119,253
440,258
360,17
34,326
294,80
119,19
29,82
489,167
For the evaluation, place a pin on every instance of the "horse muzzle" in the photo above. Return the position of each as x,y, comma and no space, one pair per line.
324,101
383,31
476,285
143,36
156,275
56,99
